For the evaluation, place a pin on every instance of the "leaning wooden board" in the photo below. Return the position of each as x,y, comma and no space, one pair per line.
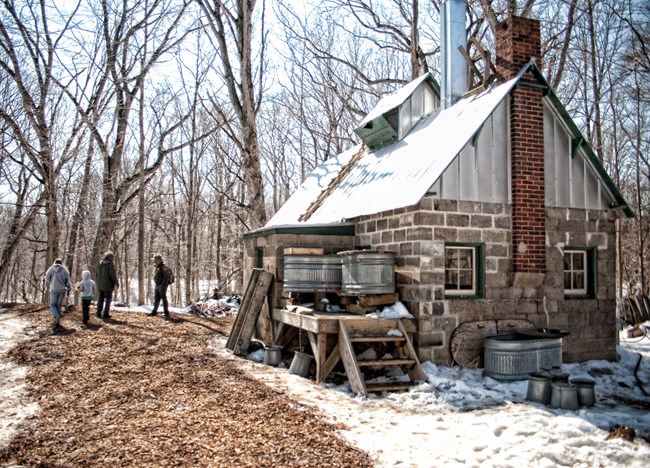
249,311
466,344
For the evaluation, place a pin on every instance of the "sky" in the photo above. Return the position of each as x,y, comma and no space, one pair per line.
457,417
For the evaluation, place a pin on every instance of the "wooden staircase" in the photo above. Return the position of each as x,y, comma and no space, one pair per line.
404,356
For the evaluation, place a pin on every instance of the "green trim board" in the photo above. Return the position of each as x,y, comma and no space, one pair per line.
333,230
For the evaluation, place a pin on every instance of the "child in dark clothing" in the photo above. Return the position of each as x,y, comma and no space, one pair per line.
87,289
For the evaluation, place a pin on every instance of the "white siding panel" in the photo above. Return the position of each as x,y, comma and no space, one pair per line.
485,162
550,157
500,154
578,182
562,147
468,183
450,188
592,188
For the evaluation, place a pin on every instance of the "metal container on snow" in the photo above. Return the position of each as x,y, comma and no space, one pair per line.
511,357
367,272
586,392
272,355
301,364
564,396
539,388
312,273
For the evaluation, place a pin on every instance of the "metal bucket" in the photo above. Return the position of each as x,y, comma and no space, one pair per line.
539,388
508,357
367,272
586,392
311,273
301,364
564,396
273,355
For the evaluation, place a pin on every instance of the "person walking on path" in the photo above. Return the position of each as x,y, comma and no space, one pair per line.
162,278
106,284
87,289
58,278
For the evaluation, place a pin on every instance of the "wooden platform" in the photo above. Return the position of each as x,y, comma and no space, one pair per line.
319,325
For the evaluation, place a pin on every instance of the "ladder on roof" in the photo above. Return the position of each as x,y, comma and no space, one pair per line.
404,357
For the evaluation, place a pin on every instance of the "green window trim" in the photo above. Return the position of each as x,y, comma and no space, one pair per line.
579,262
478,271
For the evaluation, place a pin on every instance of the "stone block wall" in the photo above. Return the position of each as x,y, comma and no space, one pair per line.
418,235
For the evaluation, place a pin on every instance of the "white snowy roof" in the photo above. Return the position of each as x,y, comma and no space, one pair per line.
393,100
395,176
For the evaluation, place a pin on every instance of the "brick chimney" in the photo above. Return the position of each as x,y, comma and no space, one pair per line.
517,41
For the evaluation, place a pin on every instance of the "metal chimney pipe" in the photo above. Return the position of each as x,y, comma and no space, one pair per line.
453,75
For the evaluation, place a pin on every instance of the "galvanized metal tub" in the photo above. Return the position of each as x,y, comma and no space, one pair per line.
539,388
312,273
365,272
511,357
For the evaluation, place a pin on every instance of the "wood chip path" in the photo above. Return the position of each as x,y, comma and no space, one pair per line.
140,391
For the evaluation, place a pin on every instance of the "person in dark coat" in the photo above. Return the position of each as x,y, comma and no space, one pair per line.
162,278
106,284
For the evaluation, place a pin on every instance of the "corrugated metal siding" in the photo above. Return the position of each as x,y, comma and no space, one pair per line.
482,171
571,182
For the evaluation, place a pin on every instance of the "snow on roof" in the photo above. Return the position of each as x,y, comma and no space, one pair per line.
398,175
393,100
313,185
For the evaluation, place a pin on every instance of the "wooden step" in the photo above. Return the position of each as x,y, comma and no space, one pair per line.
377,331
389,387
377,339
386,362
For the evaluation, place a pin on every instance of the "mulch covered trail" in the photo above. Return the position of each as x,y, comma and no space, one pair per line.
140,391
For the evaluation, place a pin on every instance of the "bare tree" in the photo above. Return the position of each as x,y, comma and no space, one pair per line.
28,59
231,29
123,28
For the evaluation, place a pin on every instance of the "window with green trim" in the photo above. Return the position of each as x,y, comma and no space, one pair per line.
463,275
579,268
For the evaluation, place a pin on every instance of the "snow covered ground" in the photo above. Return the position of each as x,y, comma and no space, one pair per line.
15,407
457,418
460,418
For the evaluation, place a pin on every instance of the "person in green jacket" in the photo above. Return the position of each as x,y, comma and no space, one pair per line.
106,284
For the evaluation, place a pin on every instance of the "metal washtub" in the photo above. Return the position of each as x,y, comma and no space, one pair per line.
367,272
311,273
513,356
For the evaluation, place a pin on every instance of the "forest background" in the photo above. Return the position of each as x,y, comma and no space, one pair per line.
175,126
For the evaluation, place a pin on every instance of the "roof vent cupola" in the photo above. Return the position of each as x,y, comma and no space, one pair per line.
397,113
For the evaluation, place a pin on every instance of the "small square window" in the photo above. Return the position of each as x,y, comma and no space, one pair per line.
461,270
579,277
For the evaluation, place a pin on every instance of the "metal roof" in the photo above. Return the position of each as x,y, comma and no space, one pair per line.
400,174
395,176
